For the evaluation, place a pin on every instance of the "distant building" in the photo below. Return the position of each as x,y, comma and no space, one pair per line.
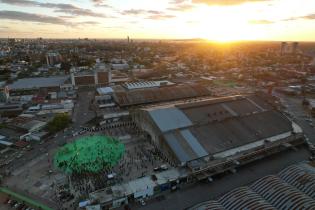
27,124
295,47
99,76
4,94
311,106
53,58
10,109
35,83
104,97
288,90
283,48
11,41
120,66
148,92
286,48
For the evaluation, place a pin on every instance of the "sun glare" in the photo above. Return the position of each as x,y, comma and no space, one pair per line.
224,25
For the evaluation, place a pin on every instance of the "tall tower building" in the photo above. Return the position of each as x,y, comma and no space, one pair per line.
4,94
295,47
283,48
53,58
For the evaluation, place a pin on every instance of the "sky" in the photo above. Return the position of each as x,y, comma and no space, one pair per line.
218,20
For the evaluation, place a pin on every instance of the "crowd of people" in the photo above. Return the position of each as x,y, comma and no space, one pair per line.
85,183
141,157
139,160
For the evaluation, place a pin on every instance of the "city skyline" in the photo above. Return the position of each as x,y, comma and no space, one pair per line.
231,20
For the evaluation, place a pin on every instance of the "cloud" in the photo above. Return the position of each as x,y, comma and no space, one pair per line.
37,18
141,12
225,2
177,1
182,7
257,22
80,12
101,3
19,2
160,17
88,23
59,7
309,17
133,12
114,27
29,17
305,17
149,14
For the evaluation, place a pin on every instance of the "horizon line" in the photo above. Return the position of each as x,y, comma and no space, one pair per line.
159,39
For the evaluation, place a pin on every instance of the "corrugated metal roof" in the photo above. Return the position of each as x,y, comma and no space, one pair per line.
141,184
105,90
6,143
219,136
153,95
167,176
244,198
176,147
146,84
38,82
169,119
185,145
208,205
193,143
214,126
292,188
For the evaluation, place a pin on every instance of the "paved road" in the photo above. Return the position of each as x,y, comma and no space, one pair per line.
82,112
300,113
201,192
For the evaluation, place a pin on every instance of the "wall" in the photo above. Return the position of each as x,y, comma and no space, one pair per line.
84,80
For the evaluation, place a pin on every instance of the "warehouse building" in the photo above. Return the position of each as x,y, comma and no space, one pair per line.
90,78
100,75
140,93
36,83
210,136
292,188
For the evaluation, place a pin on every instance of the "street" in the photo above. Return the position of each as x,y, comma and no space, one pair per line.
300,114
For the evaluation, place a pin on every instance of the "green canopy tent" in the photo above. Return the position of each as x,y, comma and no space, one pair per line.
89,154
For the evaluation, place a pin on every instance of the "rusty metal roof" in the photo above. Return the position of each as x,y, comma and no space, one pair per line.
161,94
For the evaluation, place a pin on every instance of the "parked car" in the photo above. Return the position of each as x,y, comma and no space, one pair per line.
142,202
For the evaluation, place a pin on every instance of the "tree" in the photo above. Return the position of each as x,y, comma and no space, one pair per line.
60,122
